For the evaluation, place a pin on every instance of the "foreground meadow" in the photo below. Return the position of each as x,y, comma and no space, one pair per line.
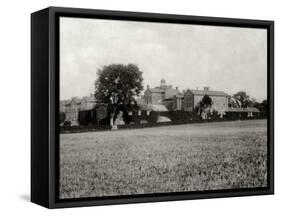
206,156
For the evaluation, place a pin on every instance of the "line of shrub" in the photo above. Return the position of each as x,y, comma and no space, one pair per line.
143,120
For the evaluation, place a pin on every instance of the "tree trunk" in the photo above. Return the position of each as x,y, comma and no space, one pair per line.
112,122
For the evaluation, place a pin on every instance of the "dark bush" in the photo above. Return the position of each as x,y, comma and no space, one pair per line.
215,116
89,117
85,117
180,116
67,123
153,116
127,119
232,116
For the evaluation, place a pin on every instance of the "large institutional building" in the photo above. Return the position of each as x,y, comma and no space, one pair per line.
159,98
187,100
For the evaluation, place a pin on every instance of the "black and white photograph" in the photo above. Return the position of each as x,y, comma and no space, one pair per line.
153,108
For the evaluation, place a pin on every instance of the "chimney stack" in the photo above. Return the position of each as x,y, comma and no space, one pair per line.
207,88
147,86
162,83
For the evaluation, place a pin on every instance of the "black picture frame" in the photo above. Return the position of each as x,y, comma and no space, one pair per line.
45,105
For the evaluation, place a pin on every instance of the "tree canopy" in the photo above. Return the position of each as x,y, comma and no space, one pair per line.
243,99
203,107
263,107
117,86
206,101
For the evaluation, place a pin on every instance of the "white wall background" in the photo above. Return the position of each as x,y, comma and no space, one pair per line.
15,106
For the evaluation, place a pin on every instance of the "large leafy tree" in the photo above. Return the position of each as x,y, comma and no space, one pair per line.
117,86
233,102
263,108
243,99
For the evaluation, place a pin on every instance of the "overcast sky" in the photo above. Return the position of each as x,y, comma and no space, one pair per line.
188,56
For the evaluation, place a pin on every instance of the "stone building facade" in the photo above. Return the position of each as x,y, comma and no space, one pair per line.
72,107
192,98
175,102
164,95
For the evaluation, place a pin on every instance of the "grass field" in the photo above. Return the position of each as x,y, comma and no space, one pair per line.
192,157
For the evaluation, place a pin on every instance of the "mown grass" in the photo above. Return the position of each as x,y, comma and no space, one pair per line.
207,156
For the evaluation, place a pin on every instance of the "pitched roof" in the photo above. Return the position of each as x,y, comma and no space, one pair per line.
154,107
76,100
156,90
240,109
180,95
210,93
171,93
89,99
157,107
65,102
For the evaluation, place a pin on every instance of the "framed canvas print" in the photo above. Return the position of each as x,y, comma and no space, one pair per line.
139,107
